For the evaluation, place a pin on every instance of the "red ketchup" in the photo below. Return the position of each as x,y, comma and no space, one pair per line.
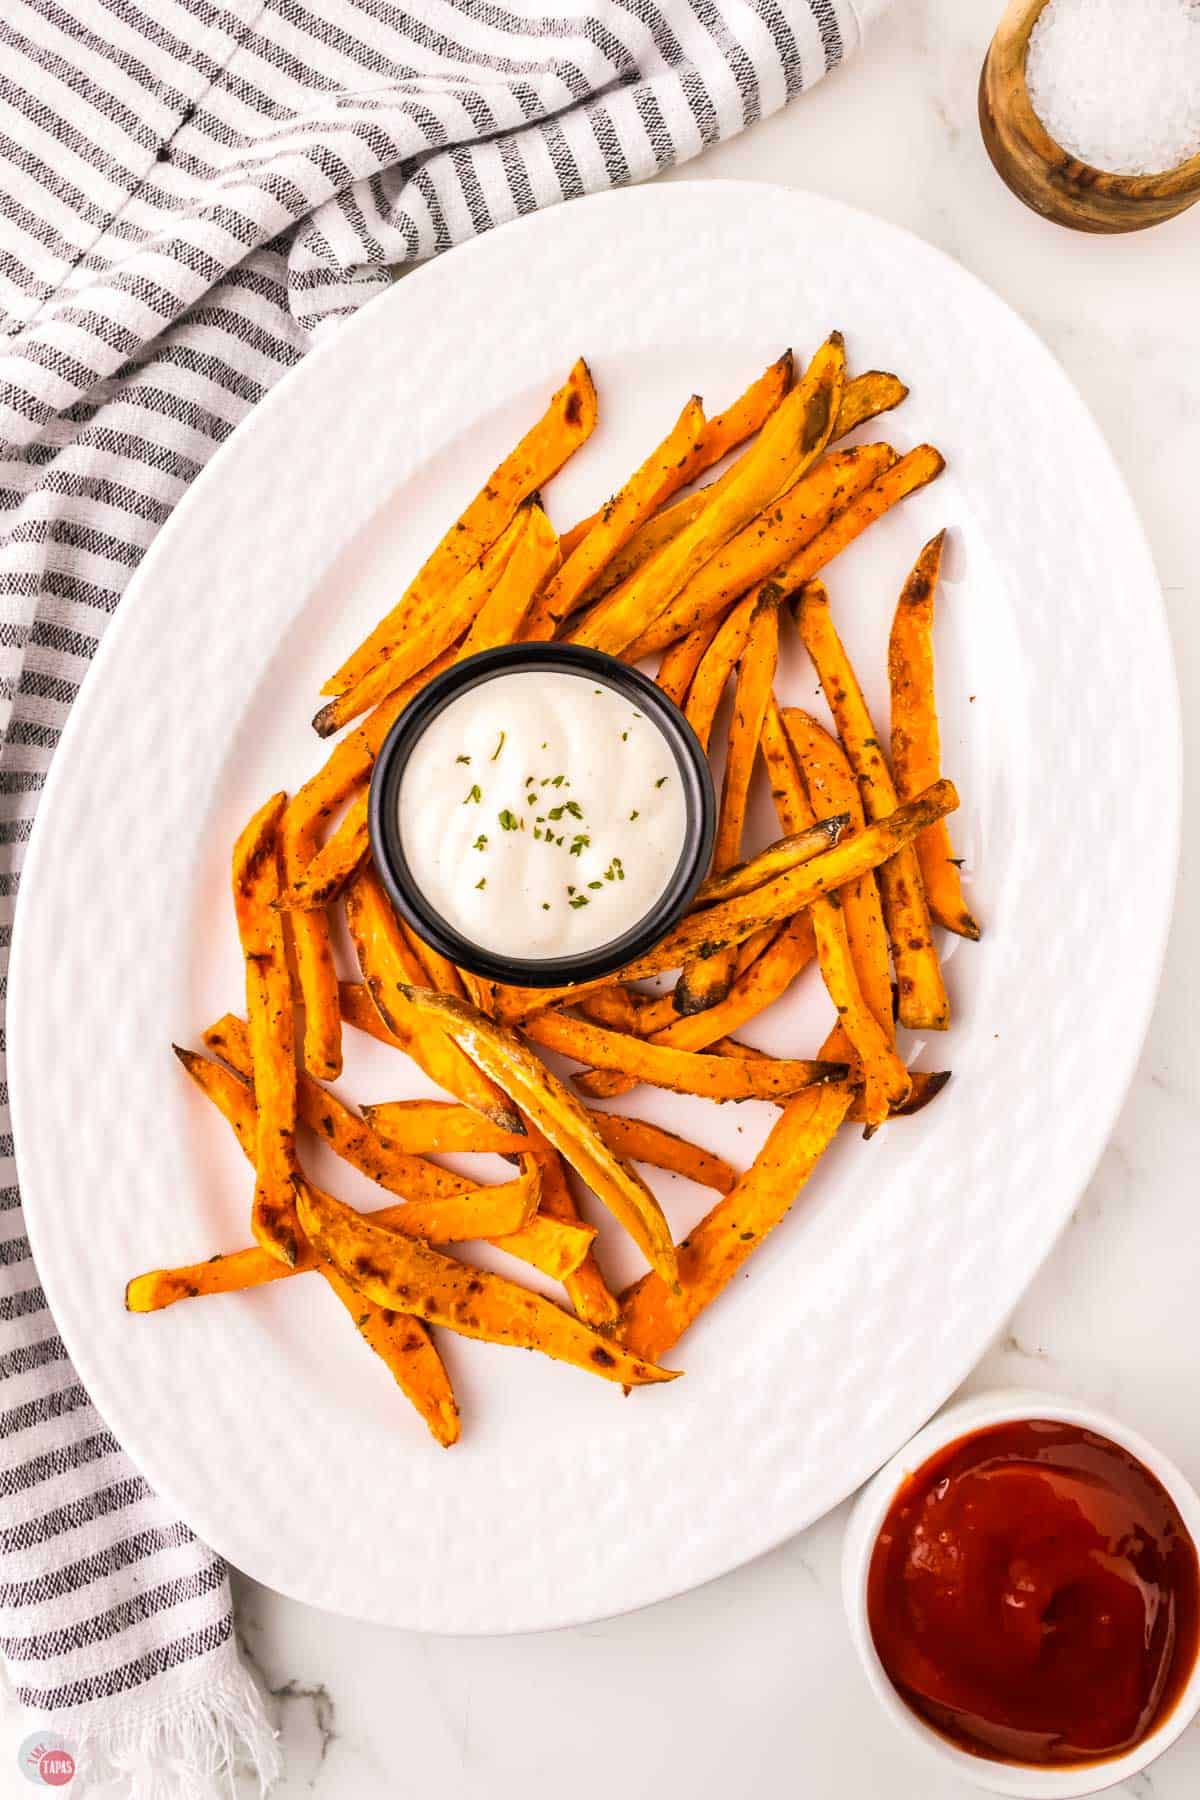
1033,1595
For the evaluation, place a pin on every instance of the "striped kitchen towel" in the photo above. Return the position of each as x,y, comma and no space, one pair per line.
190,190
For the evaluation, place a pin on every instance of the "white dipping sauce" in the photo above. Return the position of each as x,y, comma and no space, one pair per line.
542,814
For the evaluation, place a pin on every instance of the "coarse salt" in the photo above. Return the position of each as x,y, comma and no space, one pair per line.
1117,82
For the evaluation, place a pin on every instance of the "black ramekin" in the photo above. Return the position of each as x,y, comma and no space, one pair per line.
545,971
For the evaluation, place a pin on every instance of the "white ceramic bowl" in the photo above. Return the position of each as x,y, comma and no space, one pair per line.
1038,1783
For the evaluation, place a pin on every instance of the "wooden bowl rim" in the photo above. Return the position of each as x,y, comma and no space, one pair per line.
1012,42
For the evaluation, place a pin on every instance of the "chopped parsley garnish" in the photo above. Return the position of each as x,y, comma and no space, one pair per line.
578,901
499,746
662,781
595,884
624,737
614,871
633,815
579,844
509,821
462,759
480,842
482,882
474,796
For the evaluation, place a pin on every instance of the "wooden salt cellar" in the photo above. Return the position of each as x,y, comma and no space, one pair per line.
1044,175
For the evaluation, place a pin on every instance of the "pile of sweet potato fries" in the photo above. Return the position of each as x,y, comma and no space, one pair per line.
703,577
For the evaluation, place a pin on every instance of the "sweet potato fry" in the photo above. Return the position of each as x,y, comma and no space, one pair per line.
759,985
559,1248
557,1242
829,782
496,1213
348,766
729,1046
461,1212
401,1342
756,676
389,969
409,1277
653,1317
504,1215
404,1346
862,1037
731,921
679,664
312,960
613,1006
664,471
718,436
333,865
454,615
916,744
661,529
791,440
914,471
440,972
643,1142
230,1272
706,981
682,1071
862,399
865,398
568,422
778,532
439,1127
716,666
923,1004
926,1086
488,1214
653,1011
645,1015
444,1207
347,1135
587,1290
535,559
747,952
358,1009
748,414
256,877
558,1116
784,854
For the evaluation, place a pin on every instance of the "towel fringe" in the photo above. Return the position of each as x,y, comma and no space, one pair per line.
187,1748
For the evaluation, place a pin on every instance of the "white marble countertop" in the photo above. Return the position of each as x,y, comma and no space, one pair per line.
749,1686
